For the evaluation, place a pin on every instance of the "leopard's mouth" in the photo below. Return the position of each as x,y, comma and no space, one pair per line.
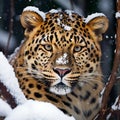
60,89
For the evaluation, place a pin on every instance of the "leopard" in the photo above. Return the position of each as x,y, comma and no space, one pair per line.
59,60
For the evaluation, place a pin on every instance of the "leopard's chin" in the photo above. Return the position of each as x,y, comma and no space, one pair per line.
60,89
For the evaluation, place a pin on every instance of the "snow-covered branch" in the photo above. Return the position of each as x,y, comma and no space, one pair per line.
22,109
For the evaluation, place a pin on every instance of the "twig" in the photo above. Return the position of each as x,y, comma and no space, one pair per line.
10,25
115,64
104,110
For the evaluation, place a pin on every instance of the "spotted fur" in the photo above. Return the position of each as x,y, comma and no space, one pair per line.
59,61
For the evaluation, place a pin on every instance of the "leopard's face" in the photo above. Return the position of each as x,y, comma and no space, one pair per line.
62,50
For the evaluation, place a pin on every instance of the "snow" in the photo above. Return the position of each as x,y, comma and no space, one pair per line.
116,106
106,36
42,14
7,77
66,27
5,109
108,116
26,109
92,16
69,12
62,59
35,9
54,11
34,110
117,15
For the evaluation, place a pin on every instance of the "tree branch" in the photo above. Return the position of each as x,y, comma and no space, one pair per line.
10,25
115,64
104,109
7,96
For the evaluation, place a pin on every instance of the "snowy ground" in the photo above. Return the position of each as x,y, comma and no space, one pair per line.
26,109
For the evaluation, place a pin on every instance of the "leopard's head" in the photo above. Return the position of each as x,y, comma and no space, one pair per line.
61,49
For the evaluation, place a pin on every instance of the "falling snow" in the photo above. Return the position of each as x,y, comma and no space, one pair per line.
117,15
116,106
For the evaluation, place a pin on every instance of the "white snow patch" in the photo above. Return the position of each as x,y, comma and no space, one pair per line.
69,12
111,37
35,9
117,15
54,11
7,77
106,36
5,109
62,59
108,116
34,110
66,27
58,21
116,106
92,16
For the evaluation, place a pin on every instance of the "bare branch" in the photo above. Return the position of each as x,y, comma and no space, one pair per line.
7,96
105,110
10,25
115,65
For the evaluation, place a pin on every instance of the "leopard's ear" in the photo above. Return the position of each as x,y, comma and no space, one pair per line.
99,25
31,18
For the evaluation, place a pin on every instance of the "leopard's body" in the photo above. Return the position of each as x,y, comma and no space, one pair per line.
59,61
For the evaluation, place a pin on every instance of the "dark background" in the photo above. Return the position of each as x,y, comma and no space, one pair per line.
83,7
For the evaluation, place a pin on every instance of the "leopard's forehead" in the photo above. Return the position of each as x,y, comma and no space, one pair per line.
64,27
63,21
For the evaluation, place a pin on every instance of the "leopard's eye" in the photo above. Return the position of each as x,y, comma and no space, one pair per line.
48,47
77,48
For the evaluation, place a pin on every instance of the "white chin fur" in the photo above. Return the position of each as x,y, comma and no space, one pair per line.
60,91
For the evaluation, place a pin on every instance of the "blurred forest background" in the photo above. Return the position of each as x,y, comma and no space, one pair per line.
11,29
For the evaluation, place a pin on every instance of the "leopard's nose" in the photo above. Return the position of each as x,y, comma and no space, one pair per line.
62,72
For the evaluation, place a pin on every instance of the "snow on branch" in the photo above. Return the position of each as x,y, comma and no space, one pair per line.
116,105
34,110
117,15
23,109
8,79
5,109
108,112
